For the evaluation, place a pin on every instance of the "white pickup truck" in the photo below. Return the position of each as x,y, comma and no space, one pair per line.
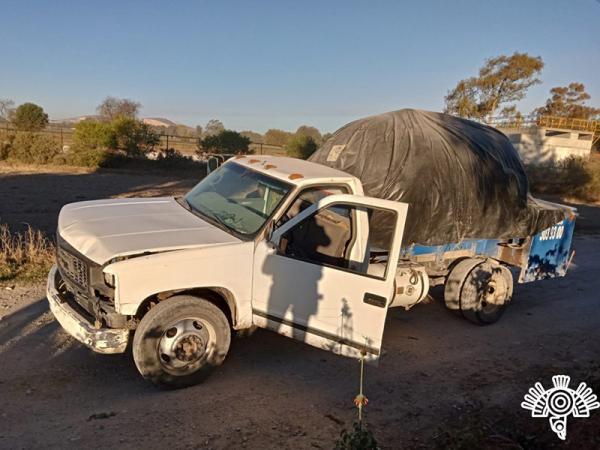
267,242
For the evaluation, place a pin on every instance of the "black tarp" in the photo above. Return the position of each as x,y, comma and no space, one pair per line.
461,179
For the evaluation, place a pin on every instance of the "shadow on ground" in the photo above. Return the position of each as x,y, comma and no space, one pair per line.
36,198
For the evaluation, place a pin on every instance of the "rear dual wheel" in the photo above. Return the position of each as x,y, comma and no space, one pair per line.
480,289
180,341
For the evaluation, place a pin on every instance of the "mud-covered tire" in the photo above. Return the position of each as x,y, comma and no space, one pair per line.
180,341
480,289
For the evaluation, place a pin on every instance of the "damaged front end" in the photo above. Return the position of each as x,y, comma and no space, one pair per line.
78,322
83,304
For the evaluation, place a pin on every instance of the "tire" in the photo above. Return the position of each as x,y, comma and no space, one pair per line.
180,341
480,289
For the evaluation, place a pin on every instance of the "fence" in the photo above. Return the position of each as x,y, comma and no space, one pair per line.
565,123
187,145
562,123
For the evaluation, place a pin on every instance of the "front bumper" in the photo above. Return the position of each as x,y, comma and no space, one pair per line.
101,340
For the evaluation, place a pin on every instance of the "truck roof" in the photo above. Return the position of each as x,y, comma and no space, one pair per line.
292,170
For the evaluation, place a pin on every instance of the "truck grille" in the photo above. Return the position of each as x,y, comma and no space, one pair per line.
73,267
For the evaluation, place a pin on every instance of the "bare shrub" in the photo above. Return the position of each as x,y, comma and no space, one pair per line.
24,256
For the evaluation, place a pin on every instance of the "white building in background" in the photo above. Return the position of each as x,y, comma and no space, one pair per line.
544,145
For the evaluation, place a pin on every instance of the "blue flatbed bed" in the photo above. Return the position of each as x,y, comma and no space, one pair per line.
541,256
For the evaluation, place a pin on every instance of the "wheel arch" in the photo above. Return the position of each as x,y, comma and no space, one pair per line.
221,297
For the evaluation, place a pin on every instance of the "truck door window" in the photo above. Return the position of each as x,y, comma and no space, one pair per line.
329,237
308,197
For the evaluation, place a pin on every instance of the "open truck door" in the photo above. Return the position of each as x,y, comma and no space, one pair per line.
314,279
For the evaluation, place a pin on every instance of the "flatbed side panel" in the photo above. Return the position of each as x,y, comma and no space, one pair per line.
466,248
550,252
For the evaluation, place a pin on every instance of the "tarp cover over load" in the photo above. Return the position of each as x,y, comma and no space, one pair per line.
460,178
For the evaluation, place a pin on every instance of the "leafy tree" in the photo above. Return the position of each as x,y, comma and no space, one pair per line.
312,132
462,100
227,141
93,135
501,80
34,148
213,127
277,137
199,130
511,115
6,107
132,136
569,101
254,137
301,146
30,117
326,136
113,107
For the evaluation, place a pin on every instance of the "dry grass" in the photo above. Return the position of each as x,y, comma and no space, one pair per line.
24,256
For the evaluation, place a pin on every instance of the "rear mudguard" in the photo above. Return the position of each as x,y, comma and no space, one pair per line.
549,252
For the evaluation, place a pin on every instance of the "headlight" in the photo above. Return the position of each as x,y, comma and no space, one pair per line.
109,279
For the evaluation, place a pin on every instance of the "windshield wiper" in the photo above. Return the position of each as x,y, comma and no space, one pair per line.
206,213
214,216
183,202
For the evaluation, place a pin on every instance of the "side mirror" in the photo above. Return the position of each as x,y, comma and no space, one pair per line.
276,239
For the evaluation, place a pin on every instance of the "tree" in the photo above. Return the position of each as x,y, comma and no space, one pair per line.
326,136
501,80
569,101
6,107
132,136
227,141
314,133
511,116
34,148
199,131
213,127
113,107
30,117
277,137
301,146
93,135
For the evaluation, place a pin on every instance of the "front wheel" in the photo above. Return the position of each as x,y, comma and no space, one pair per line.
180,341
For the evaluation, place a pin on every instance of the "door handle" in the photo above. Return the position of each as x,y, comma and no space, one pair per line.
375,300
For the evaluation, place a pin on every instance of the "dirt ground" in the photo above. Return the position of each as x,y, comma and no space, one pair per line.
441,383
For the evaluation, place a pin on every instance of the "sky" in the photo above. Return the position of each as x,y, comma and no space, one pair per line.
281,64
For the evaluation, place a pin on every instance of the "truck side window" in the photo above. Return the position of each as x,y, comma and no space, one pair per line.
329,237
322,238
308,197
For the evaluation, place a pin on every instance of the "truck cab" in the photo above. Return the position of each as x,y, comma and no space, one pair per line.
269,242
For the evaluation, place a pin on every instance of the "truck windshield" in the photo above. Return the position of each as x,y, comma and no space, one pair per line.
237,198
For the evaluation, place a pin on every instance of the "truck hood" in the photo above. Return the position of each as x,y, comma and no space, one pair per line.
104,229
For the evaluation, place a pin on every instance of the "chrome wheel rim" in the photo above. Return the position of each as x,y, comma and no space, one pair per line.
184,345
